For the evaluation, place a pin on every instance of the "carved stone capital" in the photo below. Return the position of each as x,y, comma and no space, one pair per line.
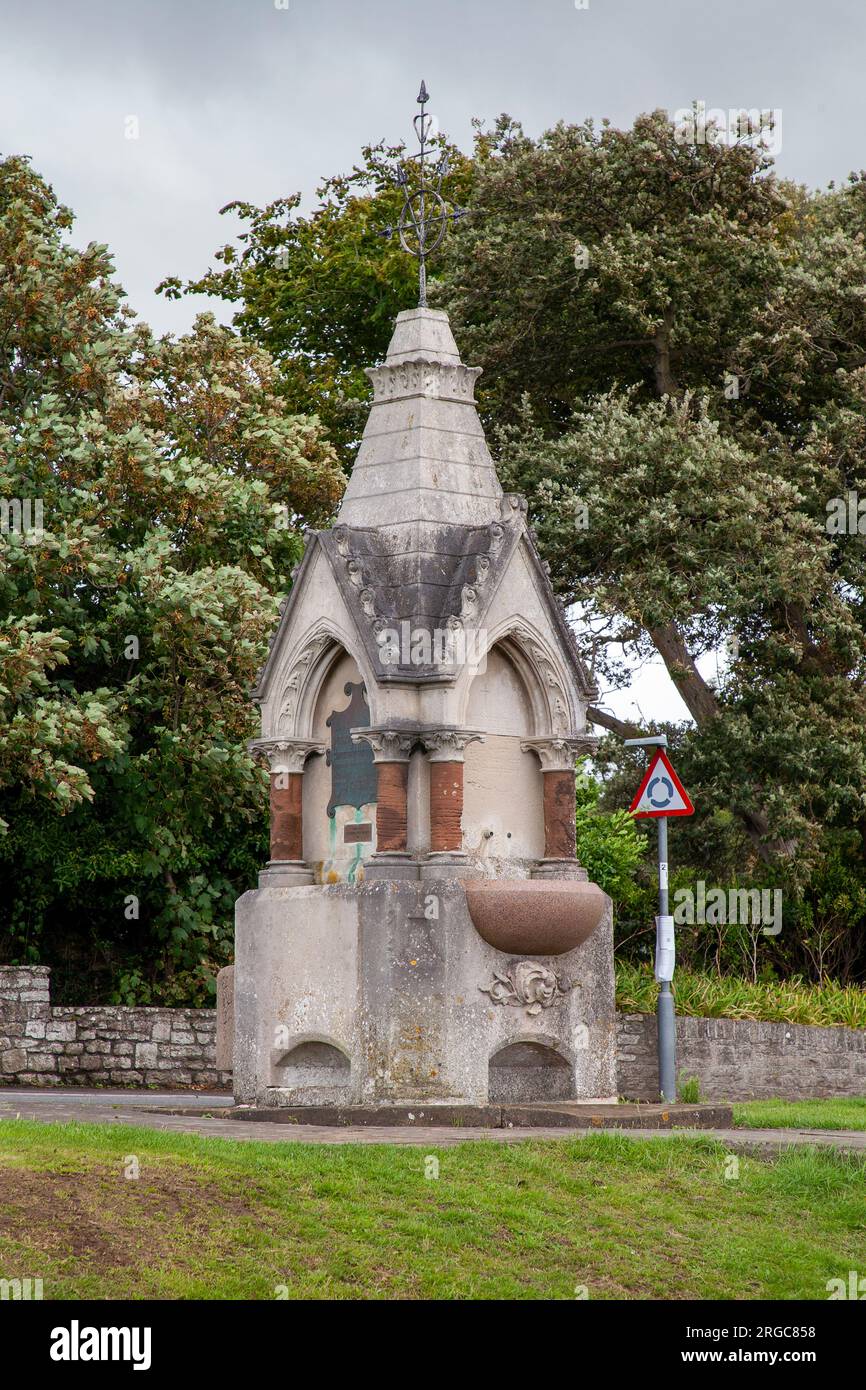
559,754
423,376
284,754
448,745
388,745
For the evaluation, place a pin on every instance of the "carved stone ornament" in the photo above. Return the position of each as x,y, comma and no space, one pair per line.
388,745
448,745
559,754
297,677
423,377
284,754
529,985
559,712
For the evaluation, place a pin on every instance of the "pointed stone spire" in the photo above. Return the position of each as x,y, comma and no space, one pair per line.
423,457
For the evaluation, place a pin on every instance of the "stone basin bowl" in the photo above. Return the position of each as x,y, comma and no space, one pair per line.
527,916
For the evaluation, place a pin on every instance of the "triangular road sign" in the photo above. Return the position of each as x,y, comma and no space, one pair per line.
661,793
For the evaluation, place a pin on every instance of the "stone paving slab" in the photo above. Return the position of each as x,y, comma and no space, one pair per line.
540,1114
69,1106
103,1096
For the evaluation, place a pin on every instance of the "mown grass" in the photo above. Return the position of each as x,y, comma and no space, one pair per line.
845,1113
216,1219
726,996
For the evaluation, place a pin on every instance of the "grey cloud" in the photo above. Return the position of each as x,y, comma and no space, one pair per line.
236,98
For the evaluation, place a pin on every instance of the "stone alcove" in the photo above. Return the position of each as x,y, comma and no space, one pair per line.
335,845
313,1070
529,1070
503,816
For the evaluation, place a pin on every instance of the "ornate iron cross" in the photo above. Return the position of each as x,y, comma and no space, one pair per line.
425,214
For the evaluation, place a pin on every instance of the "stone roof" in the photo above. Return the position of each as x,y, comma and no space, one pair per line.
425,532
423,456
437,577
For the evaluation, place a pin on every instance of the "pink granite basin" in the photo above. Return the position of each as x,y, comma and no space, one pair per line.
527,916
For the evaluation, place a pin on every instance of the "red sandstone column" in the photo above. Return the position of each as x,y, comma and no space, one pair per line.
446,807
391,812
559,815
391,752
445,749
285,758
287,826
557,756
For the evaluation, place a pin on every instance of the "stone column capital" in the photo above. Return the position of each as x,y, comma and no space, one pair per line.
284,754
559,754
389,745
448,745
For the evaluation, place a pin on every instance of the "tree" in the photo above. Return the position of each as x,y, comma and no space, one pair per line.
321,292
673,344
173,483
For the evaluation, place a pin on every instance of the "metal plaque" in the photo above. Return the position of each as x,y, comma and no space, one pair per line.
358,833
353,772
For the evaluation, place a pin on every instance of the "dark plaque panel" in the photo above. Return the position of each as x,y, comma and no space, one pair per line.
358,833
353,772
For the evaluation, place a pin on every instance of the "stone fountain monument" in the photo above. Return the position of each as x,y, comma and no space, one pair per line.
424,932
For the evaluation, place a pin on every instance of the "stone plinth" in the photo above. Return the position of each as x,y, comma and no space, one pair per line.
385,992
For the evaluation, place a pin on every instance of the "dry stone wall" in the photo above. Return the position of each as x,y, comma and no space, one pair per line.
737,1059
41,1045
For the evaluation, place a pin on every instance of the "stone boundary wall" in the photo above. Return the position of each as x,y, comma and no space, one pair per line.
105,1045
116,1046
737,1059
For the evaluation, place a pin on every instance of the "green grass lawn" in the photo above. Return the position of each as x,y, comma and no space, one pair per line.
802,1114
215,1219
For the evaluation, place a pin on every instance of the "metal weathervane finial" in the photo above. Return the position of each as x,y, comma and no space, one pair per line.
425,214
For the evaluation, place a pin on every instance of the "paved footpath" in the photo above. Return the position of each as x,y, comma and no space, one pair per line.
76,1105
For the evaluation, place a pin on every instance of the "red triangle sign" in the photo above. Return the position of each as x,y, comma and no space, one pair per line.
661,793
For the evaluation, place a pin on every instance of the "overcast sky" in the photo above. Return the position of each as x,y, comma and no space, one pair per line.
250,99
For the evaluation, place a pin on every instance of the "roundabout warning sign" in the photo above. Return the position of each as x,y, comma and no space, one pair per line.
661,793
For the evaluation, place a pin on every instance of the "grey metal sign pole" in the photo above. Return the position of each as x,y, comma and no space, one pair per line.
664,961
666,1017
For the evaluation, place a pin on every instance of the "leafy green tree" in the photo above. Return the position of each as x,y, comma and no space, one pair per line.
173,483
674,349
321,292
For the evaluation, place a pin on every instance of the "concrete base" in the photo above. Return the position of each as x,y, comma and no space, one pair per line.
567,1115
560,868
384,993
286,873
399,867
447,866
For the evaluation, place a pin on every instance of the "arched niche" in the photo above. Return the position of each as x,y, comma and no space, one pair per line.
295,703
313,1067
503,816
529,1071
335,846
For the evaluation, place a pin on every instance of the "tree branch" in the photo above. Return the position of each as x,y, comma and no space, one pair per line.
665,382
612,724
699,698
